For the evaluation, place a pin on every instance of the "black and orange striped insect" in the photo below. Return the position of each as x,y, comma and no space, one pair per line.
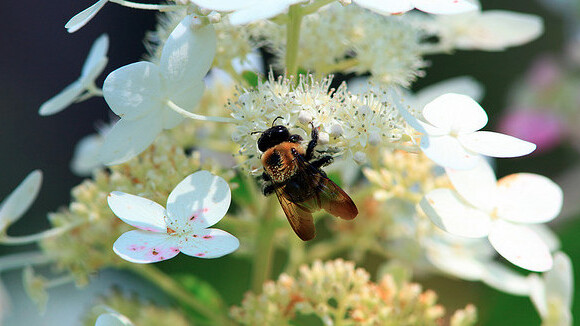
301,186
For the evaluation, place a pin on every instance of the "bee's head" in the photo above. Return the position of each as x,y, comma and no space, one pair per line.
272,137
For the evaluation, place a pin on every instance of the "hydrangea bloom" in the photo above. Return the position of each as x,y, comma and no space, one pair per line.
393,7
196,203
480,206
451,133
244,12
141,93
18,202
84,87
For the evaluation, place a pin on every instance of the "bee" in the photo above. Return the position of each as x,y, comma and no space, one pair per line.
301,186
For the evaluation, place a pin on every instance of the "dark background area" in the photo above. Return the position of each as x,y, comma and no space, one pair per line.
39,58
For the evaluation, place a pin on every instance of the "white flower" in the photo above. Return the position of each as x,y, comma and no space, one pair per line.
196,203
83,17
113,319
247,11
480,207
492,30
84,87
18,202
552,294
140,93
473,260
451,137
394,7
86,155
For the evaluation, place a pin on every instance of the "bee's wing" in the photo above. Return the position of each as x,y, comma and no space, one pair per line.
329,195
300,217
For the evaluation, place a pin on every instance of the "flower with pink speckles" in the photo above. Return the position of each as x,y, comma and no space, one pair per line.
198,202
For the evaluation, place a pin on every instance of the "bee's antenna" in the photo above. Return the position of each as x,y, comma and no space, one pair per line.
276,119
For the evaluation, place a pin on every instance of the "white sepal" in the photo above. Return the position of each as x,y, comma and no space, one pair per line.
209,243
455,113
83,17
63,99
143,247
447,151
137,211
20,199
478,186
494,144
452,214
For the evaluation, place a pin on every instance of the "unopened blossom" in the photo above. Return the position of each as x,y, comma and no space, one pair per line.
451,137
196,203
491,30
553,292
19,200
84,87
143,93
244,12
500,210
395,7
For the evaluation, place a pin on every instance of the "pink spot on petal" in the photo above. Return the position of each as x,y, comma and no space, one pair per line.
201,254
207,237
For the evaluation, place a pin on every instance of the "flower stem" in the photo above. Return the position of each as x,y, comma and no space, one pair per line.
194,116
264,246
21,240
293,38
15,261
174,289
147,6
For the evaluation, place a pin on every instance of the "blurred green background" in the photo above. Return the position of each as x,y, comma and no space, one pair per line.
39,58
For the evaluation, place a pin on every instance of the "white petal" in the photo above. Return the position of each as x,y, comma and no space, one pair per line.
549,236
478,186
419,125
83,17
62,100
538,294
495,30
465,85
455,113
520,245
127,139
506,279
187,98
449,212
386,7
560,279
445,7
209,243
137,211
86,155
448,152
259,11
199,201
144,247
134,90
112,319
455,259
528,198
494,144
225,5
188,53
97,53
20,199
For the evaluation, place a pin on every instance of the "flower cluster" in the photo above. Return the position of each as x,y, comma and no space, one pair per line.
337,292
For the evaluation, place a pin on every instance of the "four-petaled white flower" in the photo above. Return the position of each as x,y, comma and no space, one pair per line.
451,137
19,200
141,93
247,11
394,7
84,87
552,294
196,203
480,206
491,30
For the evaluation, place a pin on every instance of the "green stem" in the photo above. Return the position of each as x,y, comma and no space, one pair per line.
194,116
15,261
341,66
292,39
264,246
26,239
174,289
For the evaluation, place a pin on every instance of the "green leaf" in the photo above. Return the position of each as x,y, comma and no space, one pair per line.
202,290
250,77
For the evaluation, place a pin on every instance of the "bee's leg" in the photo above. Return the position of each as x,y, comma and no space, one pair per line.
266,177
312,143
269,189
323,161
